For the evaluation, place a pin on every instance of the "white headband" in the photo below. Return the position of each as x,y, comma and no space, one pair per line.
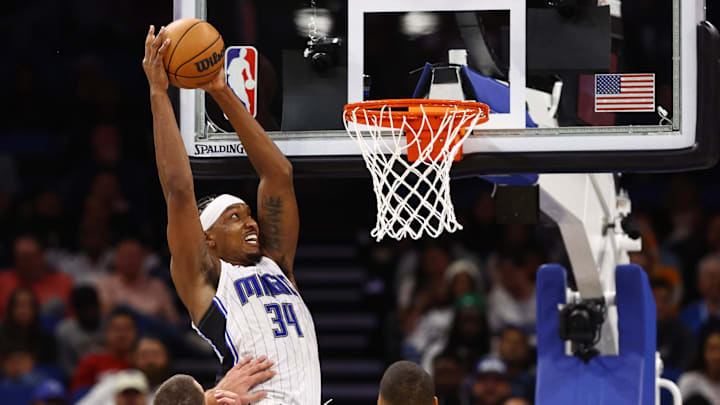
212,212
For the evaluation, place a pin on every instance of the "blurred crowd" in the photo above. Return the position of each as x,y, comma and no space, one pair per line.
465,305
88,313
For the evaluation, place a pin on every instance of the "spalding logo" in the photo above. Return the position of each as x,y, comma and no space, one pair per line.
207,63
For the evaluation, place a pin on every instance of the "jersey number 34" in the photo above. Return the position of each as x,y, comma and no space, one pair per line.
283,315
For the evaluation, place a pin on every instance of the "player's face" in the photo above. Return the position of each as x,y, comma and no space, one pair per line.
237,235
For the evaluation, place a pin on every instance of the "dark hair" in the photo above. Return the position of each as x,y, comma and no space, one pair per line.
406,383
517,255
696,399
9,347
179,389
661,283
710,328
468,352
205,201
122,311
448,355
84,296
513,328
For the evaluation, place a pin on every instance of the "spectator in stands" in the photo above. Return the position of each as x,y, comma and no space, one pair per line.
82,334
51,288
448,373
46,218
49,392
108,174
153,360
150,360
420,282
19,366
490,384
515,351
469,338
704,380
131,388
686,239
712,234
708,283
131,286
675,341
93,257
422,299
480,233
463,277
22,325
431,331
120,338
511,301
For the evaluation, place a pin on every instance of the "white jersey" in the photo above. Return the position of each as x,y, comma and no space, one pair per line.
257,311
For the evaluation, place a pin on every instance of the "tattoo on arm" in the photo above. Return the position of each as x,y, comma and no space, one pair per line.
272,207
207,267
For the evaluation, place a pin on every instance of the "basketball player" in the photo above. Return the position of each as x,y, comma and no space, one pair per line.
235,275
406,383
231,390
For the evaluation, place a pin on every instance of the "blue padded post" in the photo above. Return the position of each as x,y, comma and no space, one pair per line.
495,95
627,379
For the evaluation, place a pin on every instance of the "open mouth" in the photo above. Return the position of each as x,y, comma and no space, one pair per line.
251,239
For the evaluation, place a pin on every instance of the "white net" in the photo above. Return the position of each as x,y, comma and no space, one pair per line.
413,197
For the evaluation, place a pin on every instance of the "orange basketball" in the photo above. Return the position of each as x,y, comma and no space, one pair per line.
195,54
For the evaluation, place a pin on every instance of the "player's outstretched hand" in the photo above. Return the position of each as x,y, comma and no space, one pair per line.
223,397
217,83
240,379
152,63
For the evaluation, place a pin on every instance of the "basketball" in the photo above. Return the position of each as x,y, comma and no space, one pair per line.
195,54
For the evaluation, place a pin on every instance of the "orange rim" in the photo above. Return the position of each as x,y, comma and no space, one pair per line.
375,107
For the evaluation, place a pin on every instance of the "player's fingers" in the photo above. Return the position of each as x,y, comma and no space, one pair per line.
226,397
251,365
259,366
164,48
157,41
224,393
148,40
242,364
254,397
260,378
265,365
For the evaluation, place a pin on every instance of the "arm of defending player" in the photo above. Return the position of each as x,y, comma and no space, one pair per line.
277,207
191,261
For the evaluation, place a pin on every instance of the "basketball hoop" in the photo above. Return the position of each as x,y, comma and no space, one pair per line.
413,194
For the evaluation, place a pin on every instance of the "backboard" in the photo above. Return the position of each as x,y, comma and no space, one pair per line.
573,85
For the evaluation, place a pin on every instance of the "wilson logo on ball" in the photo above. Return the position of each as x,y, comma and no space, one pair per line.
207,63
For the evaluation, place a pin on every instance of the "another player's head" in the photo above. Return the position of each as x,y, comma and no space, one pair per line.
231,232
406,383
180,389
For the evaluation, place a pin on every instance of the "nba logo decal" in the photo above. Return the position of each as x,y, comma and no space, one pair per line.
241,74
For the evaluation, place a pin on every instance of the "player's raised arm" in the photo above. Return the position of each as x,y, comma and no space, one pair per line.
192,268
277,207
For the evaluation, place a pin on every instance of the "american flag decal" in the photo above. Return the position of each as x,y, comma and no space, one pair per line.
625,92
